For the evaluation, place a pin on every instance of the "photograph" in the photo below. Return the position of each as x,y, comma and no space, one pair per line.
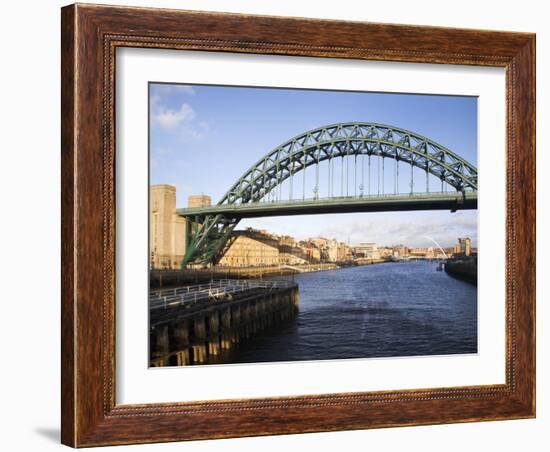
298,225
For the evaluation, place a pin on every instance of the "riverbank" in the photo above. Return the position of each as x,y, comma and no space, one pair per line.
159,279
463,269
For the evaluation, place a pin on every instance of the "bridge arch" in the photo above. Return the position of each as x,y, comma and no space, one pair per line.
349,139
211,232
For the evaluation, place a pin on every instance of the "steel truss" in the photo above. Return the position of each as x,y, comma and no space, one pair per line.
312,148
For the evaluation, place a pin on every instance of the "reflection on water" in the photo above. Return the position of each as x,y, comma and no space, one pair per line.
392,309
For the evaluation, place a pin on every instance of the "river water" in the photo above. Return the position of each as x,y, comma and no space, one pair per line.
390,309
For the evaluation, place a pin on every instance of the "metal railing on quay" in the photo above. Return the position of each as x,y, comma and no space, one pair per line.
215,291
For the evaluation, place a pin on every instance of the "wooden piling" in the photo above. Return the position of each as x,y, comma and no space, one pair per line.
193,337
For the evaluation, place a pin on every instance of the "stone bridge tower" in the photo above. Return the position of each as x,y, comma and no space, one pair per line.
167,230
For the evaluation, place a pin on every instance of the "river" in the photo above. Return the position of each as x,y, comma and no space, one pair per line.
382,310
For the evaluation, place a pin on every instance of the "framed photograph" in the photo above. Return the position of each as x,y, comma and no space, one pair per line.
281,225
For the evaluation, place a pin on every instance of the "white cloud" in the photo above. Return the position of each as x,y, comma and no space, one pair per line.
412,229
170,119
181,122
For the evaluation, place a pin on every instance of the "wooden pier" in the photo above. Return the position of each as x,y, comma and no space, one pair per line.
190,324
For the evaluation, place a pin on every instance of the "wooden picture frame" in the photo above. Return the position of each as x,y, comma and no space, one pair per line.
90,36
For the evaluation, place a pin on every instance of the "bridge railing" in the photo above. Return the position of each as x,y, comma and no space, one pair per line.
215,291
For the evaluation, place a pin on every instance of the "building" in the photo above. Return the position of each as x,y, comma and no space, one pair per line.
344,252
311,251
465,246
331,251
449,251
419,253
251,248
367,250
167,231
199,201
385,252
323,245
290,251
400,252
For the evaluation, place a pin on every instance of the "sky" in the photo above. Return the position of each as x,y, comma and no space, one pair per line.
203,138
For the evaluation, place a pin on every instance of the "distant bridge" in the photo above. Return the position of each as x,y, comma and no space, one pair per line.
344,167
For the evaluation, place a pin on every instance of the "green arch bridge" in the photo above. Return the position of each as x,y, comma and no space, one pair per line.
339,168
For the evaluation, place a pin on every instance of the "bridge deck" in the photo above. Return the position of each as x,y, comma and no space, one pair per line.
347,204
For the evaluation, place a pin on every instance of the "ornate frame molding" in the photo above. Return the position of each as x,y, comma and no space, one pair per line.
90,37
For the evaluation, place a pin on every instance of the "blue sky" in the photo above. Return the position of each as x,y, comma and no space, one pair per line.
203,138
